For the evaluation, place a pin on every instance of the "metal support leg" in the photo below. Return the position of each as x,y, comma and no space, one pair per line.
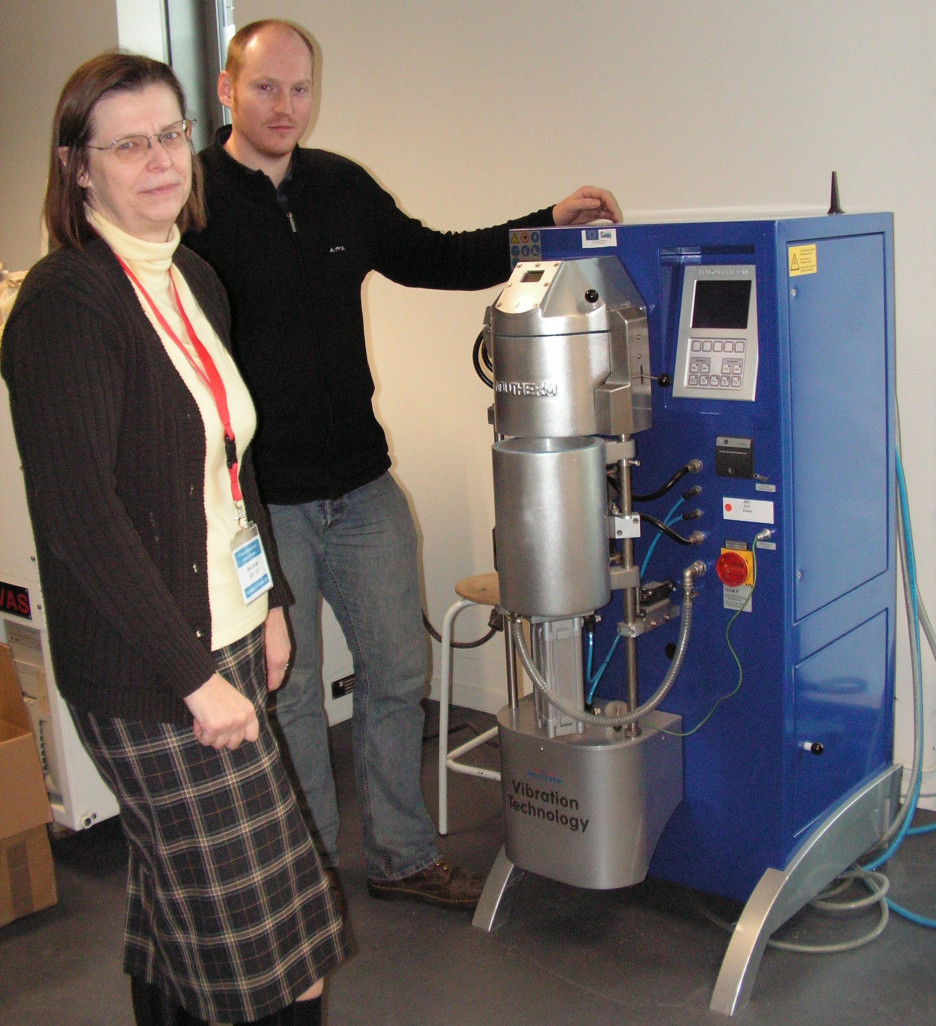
499,892
455,754
850,830
445,691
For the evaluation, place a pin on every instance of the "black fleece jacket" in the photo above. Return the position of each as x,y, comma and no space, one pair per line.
293,266
113,451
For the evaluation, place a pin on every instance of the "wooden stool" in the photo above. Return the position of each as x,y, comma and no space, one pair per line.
481,590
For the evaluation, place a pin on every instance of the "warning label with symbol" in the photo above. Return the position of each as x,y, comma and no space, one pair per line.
802,260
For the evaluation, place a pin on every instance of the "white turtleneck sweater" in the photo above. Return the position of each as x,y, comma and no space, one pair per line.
231,617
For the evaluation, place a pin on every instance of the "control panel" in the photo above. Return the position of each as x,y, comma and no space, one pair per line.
717,345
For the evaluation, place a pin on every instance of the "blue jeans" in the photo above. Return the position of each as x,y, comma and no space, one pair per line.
359,554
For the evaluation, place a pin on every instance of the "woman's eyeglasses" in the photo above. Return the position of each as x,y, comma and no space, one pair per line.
132,148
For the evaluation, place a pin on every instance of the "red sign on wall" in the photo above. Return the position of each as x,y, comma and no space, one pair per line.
15,599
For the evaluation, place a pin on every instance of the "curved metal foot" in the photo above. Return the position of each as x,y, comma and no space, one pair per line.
499,892
853,827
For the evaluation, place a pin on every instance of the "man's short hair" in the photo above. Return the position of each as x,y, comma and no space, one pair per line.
243,36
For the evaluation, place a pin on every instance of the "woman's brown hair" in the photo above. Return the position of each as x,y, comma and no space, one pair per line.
71,131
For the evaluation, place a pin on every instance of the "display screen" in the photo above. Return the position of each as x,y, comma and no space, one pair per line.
721,303
533,275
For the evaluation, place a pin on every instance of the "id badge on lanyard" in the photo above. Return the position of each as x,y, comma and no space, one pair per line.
253,571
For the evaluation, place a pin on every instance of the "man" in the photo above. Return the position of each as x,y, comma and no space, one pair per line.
293,233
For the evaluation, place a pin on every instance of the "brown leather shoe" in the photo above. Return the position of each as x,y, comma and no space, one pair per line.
442,883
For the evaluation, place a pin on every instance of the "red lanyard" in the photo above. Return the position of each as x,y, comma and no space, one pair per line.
207,371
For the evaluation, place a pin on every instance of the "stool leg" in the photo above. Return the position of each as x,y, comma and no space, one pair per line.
445,689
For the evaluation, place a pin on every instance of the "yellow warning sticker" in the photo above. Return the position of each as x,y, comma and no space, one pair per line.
802,260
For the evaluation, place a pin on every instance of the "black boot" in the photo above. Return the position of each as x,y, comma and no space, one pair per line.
151,1007
301,1013
305,1013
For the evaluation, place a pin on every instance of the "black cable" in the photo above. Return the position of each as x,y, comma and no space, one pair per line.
692,467
478,353
476,358
645,518
455,728
477,643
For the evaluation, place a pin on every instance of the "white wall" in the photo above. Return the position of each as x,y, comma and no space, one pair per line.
41,43
473,113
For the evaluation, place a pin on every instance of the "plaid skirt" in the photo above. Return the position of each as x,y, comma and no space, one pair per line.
229,911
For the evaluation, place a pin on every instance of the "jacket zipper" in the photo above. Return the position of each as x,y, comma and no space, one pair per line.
327,394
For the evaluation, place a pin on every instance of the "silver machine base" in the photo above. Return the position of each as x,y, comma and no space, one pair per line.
841,837
587,808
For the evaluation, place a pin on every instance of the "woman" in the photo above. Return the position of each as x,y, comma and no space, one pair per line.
165,617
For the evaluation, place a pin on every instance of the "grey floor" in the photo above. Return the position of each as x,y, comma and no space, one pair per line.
645,955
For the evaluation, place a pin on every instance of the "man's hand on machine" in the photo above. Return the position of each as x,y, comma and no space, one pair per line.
585,205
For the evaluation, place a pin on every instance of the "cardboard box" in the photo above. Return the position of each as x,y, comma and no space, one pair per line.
27,876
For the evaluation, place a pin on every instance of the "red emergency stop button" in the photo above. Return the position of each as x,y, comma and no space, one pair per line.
733,568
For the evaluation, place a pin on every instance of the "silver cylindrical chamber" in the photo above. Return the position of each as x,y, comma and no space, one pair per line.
551,528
